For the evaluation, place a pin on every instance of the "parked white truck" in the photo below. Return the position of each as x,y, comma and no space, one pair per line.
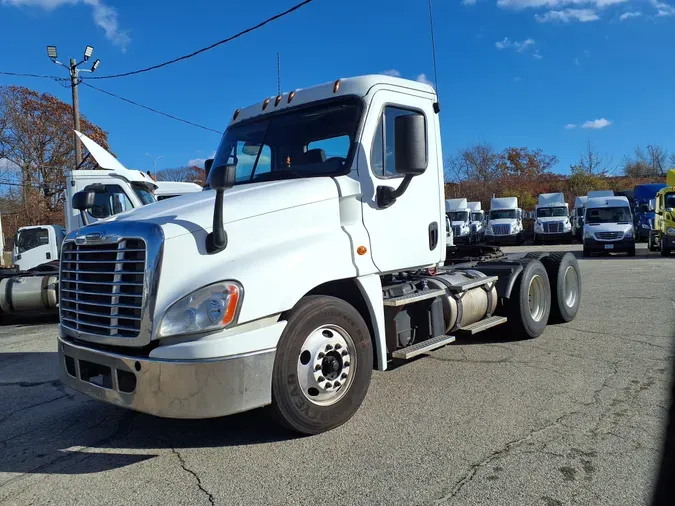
552,218
578,219
477,220
33,284
505,222
297,272
459,213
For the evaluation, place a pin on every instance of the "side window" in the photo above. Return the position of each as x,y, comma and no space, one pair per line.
383,152
32,238
112,201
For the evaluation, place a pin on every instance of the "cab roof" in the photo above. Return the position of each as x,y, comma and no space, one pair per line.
616,201
355,86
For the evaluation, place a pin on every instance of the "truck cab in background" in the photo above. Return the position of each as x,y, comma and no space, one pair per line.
578,217
478,221
552,218
459,214
37,245
505,222
608,226
663,236
644,195
170,189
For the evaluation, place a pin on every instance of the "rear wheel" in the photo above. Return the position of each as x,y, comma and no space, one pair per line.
631,252
529,306
664,250
565,279
587,252
323,365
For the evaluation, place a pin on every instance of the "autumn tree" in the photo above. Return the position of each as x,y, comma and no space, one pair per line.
37,147
521,162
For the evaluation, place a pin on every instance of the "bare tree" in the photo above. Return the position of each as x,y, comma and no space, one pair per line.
591,163
187,174
646,163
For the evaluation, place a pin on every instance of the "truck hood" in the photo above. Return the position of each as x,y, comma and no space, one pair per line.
241,202
552,219
459,223
504,221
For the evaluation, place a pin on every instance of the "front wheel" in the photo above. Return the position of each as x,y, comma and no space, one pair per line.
323,365
664,250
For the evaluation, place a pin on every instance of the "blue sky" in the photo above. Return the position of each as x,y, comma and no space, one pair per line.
510,72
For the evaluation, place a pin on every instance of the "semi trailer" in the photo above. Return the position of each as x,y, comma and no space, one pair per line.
295,274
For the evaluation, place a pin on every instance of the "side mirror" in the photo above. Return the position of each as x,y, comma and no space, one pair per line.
207,167
410,150
83,201
221,178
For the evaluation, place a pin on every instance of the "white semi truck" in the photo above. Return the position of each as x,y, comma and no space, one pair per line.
459,213
505,222
552,218
316,255
477,220
32,286
578,219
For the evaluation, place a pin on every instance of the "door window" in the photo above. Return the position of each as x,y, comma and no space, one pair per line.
383,152
31,238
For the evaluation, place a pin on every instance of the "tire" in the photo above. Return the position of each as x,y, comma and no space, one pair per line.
665,252
313,319
650,242
565,279
631,252
537,255
520,320
536,239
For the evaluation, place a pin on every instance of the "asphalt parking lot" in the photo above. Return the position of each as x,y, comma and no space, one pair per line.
574,417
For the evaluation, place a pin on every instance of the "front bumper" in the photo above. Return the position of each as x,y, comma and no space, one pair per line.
669,241
554,235
502,239
618,245
204,388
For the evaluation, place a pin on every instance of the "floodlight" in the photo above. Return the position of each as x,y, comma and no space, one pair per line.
88,51
95,65
51,52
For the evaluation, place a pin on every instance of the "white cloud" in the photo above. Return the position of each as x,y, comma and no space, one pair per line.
517,79
468,2
537,55
663,9
628,15
577,62
518,46
587,53
597,124
422,78
551,4
199,162
104,16
391,72
567,15
570,126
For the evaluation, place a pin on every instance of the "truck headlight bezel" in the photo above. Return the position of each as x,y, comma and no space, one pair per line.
207,309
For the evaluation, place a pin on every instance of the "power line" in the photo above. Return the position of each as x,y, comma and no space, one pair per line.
19,74
195,53
151,109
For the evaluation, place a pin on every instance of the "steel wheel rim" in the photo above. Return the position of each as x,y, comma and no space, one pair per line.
536,297
571,286
326,365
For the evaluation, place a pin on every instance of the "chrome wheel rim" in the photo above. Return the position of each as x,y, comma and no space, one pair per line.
536,297
571,286
326,365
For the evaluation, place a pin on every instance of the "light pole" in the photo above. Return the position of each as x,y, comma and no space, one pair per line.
74,81
154,162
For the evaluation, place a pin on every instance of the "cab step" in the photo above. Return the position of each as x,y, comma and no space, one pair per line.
409,298
481,325
423,347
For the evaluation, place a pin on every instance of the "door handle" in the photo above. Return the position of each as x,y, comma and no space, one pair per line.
433,235
49,256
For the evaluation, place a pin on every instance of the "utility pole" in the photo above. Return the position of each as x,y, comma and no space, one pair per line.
74,82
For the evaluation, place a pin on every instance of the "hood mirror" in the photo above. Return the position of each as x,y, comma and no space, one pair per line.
220,178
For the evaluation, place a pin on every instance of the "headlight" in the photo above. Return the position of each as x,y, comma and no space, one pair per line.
210,308
670,231
628,233
588,234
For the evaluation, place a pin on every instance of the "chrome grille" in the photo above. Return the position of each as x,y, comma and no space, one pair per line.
101,288
457,230
553,227
608,236
501,229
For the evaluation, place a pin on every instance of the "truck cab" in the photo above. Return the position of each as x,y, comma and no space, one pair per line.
608,226
459,214
578,217
37,245
552,218
478,221
663,236
644,211
505,222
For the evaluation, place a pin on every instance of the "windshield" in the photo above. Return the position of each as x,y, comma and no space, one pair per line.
144,195
548,212
503,214
608,215
476,216
459,216
670,200
305,142
644,208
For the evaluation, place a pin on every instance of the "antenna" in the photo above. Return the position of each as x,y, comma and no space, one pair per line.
278,75
437,105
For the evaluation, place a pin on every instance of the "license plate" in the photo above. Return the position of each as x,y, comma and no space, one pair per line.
609,246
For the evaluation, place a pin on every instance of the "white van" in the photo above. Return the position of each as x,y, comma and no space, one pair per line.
608,226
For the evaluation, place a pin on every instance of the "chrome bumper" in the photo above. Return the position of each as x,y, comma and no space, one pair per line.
170,388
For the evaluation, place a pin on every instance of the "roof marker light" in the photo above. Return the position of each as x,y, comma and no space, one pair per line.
236,113
266,103
336,86
276,102
291,95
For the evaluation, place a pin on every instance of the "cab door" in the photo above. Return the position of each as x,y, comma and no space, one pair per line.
410,232
33,247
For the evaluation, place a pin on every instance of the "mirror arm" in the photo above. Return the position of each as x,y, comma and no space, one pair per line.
216,241
386,195
83,215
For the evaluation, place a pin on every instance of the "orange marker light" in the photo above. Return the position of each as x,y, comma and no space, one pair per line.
232,302
290,96
361,250
276,102
336,86
266,103
236,113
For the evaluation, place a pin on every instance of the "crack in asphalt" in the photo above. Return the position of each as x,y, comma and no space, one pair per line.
183,465
473,470
34,406
28,384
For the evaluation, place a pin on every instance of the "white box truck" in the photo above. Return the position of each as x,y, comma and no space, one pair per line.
317,254
505,222
459,213
552,218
